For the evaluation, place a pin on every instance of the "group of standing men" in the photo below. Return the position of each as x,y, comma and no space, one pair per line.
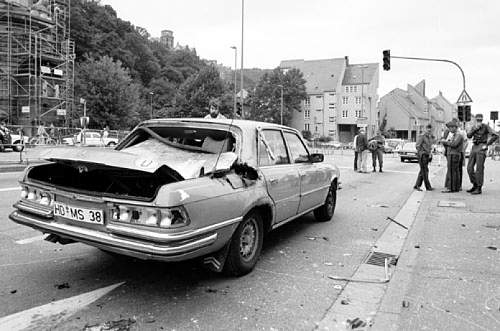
363,147
455,141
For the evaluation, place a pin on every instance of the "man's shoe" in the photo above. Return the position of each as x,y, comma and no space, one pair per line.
472,189
380,170
417,188
446,191
476,191
374,170
429,189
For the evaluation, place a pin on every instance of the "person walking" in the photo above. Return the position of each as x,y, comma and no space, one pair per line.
424,150
479,133
454,144
362,149
355,152
376,146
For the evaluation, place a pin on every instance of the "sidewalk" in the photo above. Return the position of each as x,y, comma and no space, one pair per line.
448,274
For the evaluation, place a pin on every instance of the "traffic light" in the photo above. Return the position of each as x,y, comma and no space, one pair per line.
464,113
467,113
238,108
387,59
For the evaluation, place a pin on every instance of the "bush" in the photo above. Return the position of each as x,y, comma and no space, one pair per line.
306,134
324,139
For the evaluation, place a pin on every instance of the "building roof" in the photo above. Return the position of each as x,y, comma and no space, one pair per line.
402,98
320,75
354,73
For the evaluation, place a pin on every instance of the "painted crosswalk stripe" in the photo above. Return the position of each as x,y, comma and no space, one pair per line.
46,316
30,240
8,189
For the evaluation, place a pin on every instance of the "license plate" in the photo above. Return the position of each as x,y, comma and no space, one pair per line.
93,216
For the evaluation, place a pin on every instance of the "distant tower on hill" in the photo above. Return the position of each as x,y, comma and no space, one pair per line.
167,39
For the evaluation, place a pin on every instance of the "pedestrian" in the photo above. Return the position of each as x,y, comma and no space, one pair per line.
376,146
362,149
479,133
447,136
213,108
355,152
424,150
454,144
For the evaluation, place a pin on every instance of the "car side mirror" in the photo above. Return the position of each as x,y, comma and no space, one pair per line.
317,157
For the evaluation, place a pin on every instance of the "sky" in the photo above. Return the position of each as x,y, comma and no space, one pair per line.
464,31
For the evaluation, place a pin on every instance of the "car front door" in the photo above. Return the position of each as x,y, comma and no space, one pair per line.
314,179
282,178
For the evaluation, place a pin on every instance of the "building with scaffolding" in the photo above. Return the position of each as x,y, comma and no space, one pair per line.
36,62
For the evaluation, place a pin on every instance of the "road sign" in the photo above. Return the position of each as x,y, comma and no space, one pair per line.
84,121
25,109
494,115
464,97
61,112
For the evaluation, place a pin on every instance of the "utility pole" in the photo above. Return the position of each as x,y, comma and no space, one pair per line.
151,103
281,105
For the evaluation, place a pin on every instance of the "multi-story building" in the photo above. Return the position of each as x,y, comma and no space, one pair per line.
406,113
341,97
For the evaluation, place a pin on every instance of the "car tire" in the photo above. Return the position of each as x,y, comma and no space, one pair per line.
326,211
111,144
245,246
402,159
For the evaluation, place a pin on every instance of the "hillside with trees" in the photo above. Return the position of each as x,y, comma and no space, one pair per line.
123,74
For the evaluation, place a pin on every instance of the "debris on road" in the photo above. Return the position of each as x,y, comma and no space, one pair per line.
62,286
374,229
337,287
355,323
493,248
394,221
378,205
405,304
345,301
417,246
328,263
13,291
495,227
120,325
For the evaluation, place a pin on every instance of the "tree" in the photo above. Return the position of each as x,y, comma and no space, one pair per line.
195,93
111,96
266,100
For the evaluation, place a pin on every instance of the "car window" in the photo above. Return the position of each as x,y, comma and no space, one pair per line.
272,150
297,150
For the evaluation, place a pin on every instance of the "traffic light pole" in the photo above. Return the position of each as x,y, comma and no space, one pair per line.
434,60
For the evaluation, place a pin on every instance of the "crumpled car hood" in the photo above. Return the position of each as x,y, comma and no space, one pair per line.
146,156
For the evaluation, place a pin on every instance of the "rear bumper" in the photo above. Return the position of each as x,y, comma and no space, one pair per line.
139,244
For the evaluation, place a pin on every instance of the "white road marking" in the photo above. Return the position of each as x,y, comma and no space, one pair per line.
30,240
46,316
8,189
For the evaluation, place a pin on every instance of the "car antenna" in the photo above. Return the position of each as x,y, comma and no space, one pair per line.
222,146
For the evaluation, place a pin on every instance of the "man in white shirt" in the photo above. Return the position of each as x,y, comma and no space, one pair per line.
213,107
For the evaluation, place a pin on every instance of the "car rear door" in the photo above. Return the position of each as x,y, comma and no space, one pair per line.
314,178
282,177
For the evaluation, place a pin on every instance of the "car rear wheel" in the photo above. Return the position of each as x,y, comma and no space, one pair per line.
18,148
111,144
326,211
245,246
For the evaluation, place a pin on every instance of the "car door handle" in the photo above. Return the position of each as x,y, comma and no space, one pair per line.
274,181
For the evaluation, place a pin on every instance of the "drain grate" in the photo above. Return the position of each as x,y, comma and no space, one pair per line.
378,258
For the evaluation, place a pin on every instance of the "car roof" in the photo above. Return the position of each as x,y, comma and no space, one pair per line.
242,124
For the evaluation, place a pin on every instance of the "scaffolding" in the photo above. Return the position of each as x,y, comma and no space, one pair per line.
36,61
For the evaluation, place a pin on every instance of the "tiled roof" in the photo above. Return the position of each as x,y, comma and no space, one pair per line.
320,75
404,100
354,73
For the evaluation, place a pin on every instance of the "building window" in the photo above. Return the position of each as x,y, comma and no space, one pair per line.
332,118
355,87
332,106
332,95
307,102
332,132
307,114
345,100
307,127
319,96
358,100
345,113
358,113
347,89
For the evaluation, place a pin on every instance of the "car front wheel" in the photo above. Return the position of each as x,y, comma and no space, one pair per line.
326,211
245,246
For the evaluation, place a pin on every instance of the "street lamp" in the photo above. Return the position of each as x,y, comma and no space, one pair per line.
151,103
241,72
235,69
281,106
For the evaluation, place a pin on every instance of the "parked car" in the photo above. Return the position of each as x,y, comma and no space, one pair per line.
178,189
408,152
92,138
12,141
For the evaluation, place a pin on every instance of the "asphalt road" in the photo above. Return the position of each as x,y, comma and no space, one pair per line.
289,289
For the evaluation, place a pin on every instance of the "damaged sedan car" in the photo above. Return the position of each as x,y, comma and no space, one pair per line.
178,189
